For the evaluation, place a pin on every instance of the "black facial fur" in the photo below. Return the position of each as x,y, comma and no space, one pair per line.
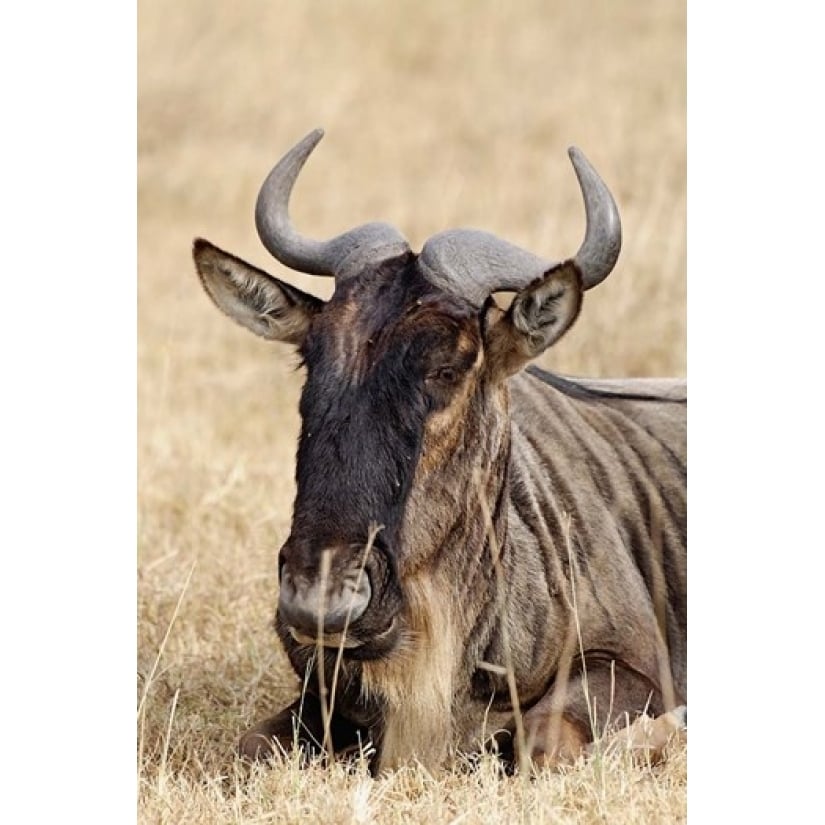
362,425
380,358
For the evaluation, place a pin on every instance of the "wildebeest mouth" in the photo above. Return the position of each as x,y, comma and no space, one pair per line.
327,640
343,640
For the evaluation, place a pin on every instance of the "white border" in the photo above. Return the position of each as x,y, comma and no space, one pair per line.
755,275
69,418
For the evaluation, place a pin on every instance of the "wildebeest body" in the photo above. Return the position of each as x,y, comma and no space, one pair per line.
478,551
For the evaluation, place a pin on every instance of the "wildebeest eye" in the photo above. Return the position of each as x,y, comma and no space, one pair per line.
444,375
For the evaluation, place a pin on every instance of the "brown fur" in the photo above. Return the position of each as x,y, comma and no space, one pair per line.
416,684
445,428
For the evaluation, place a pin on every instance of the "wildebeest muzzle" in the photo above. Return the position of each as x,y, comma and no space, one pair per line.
344,595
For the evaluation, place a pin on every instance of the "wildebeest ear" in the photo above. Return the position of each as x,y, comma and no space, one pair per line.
538,316
261,303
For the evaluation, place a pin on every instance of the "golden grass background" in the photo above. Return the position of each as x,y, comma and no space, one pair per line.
437,115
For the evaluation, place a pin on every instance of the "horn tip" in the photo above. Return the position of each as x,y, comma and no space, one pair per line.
315,135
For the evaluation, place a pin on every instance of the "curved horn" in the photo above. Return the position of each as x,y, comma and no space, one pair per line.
474,264
603,237
341,256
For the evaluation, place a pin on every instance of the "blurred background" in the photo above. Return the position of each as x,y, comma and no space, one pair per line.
437,115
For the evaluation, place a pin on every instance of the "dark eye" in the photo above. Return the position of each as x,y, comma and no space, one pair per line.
444,375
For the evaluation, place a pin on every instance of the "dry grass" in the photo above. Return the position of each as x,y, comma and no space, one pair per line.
437,115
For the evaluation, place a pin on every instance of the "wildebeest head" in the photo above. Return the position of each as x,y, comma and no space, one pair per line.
404,407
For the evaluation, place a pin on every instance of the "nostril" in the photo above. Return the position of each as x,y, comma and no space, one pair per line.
288,595
286,580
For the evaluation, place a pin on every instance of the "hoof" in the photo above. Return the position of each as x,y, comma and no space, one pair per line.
680,716
256,745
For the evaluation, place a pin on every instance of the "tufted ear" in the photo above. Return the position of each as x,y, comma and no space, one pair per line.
538,316
263,304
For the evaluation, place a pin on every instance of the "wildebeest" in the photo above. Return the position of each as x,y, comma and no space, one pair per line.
480,551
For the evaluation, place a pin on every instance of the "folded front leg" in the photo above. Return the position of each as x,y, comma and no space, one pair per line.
570,719
301,725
